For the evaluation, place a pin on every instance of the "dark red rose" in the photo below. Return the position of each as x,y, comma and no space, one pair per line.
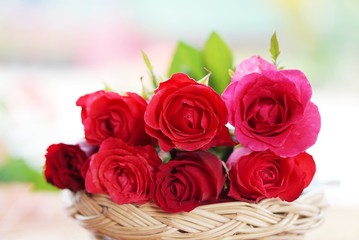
258,175
187,181
122,171
108,114
63,166
187,115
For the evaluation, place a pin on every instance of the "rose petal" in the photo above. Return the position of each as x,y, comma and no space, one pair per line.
251,65
300,80
303,134
307,164
236,155
181,80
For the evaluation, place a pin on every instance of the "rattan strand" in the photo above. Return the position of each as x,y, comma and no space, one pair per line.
271,219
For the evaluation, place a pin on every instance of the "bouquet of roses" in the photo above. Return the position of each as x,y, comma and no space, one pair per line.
236,134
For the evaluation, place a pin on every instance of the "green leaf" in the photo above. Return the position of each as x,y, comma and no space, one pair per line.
218,59
18,170
107,87
222,152
144,91
205,79
150,69
274,48
230,72
187,59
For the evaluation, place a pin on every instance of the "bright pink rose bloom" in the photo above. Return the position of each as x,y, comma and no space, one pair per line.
187,181
271,109
258,175
187,115
122,171
64,166
109,114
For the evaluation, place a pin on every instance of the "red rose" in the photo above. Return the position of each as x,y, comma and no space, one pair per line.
108,114
63,166
271,108
188,180
187,115
258,175
122,171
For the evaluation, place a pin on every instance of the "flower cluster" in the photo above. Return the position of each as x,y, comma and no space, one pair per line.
188,145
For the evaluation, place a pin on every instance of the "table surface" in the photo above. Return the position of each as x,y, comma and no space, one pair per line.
27,215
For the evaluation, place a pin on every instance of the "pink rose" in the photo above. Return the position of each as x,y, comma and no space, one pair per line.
271,109
258,175
108,114
187,115
188,180
122,171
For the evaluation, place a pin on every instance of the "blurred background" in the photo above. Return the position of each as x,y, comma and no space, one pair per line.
52,52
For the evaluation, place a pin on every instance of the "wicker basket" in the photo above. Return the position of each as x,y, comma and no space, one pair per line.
269,219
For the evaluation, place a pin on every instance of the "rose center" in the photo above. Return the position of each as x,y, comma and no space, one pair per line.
266,112
124,180
105,125
269,175
177,189
187,118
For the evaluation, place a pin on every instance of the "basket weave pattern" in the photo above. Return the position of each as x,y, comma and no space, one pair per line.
269,219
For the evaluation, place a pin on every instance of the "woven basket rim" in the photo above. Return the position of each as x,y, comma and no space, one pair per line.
268,219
